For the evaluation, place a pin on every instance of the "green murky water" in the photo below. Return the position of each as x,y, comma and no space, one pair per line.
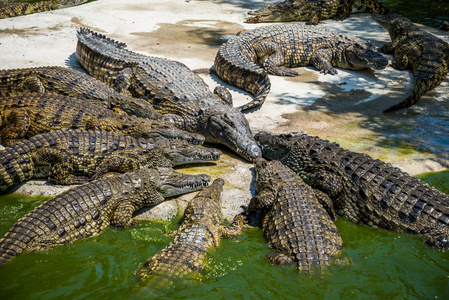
384,264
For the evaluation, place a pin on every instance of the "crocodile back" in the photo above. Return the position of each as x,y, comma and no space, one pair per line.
295,224
240,64
364,190
200,230
156,78
68,82
78,213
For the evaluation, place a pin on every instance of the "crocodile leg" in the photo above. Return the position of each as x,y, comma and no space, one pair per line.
224,95
280,258
123,213
33,84
402,55
116,163
61,172
327,182
262,201
272,57
18,124
387,48
123,81
326,202
236,228
321,59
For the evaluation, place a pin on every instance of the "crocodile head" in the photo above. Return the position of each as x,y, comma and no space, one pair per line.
160,128
362,54
395,24
267,176
276,12
274,146
267,173
206,205
180,152
170,183
228,126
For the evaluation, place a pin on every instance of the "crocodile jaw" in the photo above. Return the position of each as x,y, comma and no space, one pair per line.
276,12
361,56
232,129
183,153
172,183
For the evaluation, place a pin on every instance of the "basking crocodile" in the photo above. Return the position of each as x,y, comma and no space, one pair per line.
426,55
72,83
77,156
295,224
11,8
26,115
364,190
200,231
246,59
171,87
313,11
86,210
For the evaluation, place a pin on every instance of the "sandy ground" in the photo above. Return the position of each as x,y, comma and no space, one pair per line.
345,108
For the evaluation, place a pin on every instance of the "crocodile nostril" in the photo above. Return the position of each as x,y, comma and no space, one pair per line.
254,151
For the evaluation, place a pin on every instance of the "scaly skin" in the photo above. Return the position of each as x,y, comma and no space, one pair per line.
426,55
86,210
13,9
71,83
200,231
294,222
313,11
171,87
78,156
246,59
26,115
364,190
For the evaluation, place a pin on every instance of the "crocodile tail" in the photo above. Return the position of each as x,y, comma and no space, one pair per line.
16,239
15,167
427,77
252,80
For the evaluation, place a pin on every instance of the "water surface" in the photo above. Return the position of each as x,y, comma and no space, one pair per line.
382,264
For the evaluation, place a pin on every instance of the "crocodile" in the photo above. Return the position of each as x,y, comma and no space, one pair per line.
11,8
294,222
69,82
78,156
26,115
86,210
313,11
246,59
364,190
171,87
200,231
425,54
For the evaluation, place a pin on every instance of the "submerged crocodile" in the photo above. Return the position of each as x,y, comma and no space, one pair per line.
26,115
364,190
313,11
11,8
295,224
86,210
200,231
78,156
171,87
246,59
72,83
425,54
